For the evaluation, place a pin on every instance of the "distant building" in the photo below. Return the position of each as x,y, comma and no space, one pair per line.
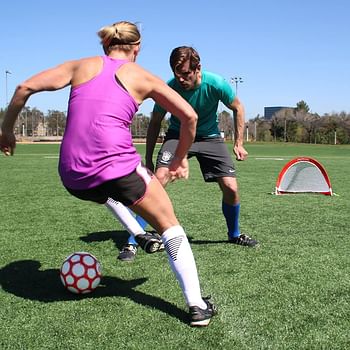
270,111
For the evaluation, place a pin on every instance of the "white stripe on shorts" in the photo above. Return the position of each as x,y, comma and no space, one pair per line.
143,173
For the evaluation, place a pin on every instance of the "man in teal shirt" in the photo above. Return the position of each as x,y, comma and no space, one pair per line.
203,90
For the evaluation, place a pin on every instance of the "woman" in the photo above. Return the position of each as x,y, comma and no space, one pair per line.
98,161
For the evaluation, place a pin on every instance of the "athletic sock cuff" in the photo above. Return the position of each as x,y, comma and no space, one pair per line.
225,205
172,232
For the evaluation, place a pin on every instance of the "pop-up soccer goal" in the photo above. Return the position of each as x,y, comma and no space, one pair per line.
303,175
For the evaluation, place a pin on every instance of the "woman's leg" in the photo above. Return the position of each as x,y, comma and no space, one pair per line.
157,209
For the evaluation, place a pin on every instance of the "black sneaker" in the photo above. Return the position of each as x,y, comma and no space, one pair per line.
156,235
200,317
128,253
243,240
148,242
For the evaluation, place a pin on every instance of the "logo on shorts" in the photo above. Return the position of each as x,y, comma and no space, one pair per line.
166,156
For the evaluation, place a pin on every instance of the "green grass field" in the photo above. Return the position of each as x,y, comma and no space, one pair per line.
293,292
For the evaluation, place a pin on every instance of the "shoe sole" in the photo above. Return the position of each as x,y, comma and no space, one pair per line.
245,245
161,245
127,259
152,247
130,258
202,323
161,248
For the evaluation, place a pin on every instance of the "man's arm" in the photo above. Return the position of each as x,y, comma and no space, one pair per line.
172,102
238,119
152,135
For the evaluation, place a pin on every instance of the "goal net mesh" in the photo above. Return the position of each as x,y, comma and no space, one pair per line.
303,176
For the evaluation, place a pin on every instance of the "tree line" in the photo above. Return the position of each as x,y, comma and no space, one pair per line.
288,125
32,122
294,125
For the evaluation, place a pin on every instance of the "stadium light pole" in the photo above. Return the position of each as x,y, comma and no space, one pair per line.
7,72
235,81
255,130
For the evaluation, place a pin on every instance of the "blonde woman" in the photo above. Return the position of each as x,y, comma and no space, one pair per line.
98,161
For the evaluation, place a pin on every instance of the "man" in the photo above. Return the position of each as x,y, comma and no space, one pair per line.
203,90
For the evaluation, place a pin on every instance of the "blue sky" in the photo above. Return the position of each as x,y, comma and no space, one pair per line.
285,51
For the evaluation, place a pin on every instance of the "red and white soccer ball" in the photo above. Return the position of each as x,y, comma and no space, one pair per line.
81,273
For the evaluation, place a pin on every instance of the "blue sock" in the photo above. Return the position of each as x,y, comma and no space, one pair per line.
142,223
131,240
231,213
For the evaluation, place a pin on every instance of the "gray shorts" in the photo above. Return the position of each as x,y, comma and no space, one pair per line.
212,154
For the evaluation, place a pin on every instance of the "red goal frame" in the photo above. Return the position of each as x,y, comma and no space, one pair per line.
291,163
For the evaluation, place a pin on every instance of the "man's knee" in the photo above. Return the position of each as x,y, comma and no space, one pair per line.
229,185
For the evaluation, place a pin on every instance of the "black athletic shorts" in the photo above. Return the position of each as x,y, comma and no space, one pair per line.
212,154
128,189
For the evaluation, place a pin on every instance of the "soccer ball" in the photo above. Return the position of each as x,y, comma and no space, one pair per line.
81,273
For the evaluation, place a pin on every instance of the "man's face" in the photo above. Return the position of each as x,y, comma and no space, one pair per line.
186,77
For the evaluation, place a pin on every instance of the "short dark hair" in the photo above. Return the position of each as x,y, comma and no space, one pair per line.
182,54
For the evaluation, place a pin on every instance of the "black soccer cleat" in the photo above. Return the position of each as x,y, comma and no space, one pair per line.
200,317
243,240
156,235
148,242
128,253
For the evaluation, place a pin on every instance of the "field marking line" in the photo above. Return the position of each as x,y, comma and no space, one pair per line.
269,158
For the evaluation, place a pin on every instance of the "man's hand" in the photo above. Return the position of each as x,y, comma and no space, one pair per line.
240,152
178,169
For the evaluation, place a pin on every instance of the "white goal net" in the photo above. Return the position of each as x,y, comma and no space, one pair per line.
303,175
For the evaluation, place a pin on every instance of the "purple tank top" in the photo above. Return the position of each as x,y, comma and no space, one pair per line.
97,144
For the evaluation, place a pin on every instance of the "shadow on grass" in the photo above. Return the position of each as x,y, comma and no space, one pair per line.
24,279
199,241
119,238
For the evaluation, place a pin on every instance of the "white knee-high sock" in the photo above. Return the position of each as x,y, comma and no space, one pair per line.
123,214
182,263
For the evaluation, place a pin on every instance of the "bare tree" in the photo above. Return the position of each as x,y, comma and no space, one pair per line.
226,123
56,122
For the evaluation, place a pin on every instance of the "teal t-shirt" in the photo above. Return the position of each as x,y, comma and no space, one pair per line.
205,100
